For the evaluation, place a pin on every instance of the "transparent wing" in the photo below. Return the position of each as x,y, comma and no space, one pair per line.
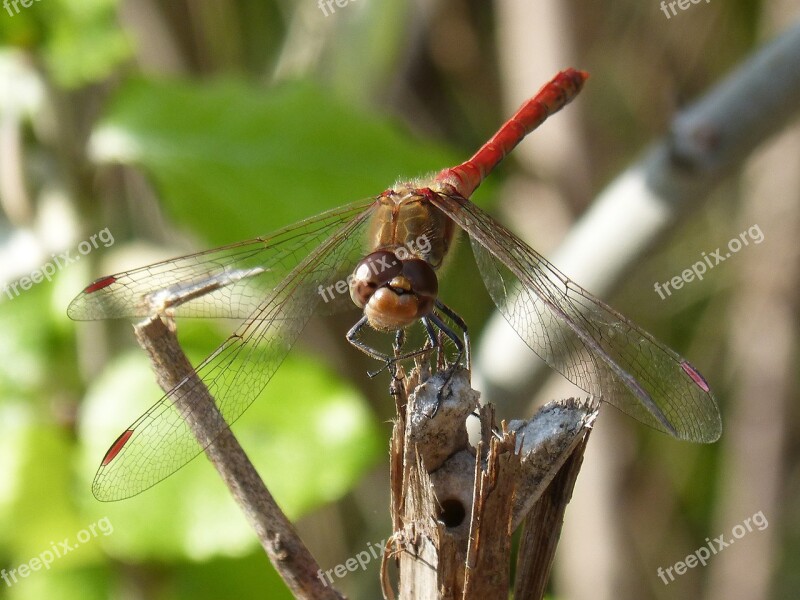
227,282
584,339
160,442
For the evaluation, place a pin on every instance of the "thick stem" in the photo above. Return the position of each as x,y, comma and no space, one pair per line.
455,505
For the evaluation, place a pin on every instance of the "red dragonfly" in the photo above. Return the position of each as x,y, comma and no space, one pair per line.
279,281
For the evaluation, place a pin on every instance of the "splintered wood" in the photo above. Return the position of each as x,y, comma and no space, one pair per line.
455,505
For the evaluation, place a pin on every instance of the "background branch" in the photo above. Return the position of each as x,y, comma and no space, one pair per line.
708,140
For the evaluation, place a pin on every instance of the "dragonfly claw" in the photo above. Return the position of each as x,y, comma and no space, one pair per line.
373,374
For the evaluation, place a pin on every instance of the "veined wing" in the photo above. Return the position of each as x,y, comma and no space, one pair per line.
587,341
160,442
227,282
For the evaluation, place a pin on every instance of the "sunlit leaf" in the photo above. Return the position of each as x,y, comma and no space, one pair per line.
233,160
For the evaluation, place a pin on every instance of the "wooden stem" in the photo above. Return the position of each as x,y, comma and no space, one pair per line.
455,505
277,536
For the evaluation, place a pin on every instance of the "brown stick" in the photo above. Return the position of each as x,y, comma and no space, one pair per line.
283,546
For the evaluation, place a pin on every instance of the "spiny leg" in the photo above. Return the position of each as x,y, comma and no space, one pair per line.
461,347
399,340
352,337
459,322
443,328
396,387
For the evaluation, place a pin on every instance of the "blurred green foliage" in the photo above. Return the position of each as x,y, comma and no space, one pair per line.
78,41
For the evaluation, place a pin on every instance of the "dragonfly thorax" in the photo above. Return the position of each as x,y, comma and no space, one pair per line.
407,222
394,293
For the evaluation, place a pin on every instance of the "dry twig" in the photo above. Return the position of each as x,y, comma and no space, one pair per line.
277,536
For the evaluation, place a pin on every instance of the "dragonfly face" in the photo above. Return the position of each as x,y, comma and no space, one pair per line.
396,284
394,293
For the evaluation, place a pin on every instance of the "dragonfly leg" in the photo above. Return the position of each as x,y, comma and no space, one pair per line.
459,322
432,341
399,340
461,346
352,337
442,326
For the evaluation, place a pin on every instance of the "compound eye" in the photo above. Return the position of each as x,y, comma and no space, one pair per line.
372,272
422,277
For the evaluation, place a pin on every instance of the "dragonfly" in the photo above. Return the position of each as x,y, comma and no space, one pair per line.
382,255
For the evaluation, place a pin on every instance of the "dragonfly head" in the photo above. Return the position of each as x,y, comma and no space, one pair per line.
393,293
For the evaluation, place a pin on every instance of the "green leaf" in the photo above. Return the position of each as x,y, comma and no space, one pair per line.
80,40
43,512
85,42
236,161
248,578
64,584
15,427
